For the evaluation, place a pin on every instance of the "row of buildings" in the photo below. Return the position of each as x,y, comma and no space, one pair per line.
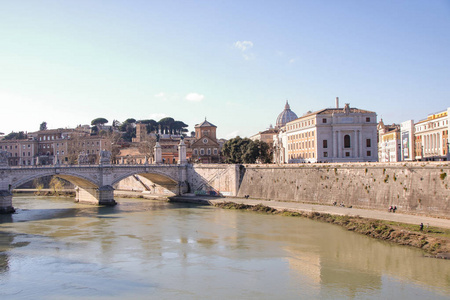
79,146
339,134
348,134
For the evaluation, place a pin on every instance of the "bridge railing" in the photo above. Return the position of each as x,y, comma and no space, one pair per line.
87,165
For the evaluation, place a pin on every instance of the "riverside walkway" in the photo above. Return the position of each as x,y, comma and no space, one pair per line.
334,210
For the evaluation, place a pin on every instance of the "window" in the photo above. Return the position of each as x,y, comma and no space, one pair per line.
202,151
325,154
209,151
23,146
347,154
346,141
369,153
325,143
368,119
368,143
215,151
29,153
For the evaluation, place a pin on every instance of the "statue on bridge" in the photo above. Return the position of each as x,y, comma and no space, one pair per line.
4,158
83,158
105,157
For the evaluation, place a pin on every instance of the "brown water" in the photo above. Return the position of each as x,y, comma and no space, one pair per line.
140,249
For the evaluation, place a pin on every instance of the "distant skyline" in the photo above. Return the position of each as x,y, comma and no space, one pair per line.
233,62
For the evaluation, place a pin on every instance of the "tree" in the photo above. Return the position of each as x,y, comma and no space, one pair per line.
245,151
146,146
129,129
15,136
98,121
114,139
179,127
56,185
43,126
74,148
166,124
151,125
234,149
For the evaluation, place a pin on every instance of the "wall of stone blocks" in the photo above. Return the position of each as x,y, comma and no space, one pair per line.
422,188
220,179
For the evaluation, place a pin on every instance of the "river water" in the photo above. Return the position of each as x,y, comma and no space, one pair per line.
53,248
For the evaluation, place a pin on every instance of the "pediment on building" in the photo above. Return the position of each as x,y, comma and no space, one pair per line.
205,141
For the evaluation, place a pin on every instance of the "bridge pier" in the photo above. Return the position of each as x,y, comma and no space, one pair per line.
103,195
6,202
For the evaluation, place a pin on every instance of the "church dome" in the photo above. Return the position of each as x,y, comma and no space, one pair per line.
287,115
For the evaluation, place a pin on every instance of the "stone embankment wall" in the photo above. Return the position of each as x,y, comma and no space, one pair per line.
221,179
413,187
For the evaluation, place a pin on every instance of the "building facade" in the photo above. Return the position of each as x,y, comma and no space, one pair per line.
62,146
408,142
205,148
333,135
389,142
431,137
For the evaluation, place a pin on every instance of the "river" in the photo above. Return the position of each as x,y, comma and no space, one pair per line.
52,248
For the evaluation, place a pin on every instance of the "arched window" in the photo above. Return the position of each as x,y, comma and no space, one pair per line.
346,141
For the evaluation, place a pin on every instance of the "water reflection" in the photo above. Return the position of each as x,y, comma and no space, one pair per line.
142,248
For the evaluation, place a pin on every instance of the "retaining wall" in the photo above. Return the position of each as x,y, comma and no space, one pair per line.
412,187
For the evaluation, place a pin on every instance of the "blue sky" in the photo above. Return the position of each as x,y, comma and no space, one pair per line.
234,62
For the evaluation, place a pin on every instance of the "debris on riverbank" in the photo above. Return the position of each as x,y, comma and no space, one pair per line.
434,241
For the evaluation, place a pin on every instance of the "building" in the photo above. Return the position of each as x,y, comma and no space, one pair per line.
408,143
265,136
205,148
280,152
279,139
52,146
333,135
22,152
389,142
286,116
431,137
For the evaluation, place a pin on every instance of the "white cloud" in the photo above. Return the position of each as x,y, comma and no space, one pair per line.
244,45
194,97
160,95
292,60
248,56
232,135
157,116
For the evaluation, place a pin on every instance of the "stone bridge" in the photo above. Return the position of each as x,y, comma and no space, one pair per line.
94,183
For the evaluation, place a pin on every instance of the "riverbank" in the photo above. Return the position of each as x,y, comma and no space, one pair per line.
46,192
433,240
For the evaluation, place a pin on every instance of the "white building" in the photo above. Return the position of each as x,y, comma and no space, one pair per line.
407,143
333,135
389,142
431,137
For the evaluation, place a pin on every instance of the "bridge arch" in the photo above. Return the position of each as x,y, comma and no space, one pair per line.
159,178
76,179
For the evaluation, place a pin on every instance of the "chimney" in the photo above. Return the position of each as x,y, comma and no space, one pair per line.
337,102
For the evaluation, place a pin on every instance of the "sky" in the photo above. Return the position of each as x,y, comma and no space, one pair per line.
235,63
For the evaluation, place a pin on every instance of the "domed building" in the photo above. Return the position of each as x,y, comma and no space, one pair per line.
287,115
